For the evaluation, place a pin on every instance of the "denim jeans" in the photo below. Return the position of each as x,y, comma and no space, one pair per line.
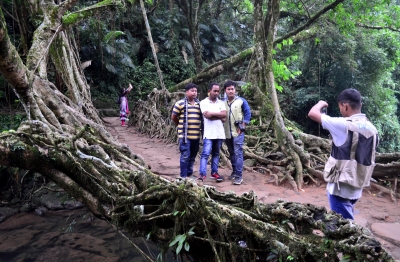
210,146
188,155
235,149
342,205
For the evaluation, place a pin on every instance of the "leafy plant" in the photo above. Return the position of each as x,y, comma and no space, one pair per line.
180,240
280,69
10,122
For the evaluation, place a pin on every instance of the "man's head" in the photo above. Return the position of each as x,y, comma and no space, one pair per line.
191,91
213,90
349,101
230,89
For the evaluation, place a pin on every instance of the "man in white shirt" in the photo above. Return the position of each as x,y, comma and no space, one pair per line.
350,165
214,114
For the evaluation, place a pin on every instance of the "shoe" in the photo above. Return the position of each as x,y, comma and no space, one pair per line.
202,177
217,177
237,181
192,177
232,176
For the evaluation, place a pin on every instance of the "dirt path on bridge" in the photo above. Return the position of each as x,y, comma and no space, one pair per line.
376,212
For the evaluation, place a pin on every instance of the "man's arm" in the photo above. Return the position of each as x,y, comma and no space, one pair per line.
175,112
315,111
215,115
246,112
175,119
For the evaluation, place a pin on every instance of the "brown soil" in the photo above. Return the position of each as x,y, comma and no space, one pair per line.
371,209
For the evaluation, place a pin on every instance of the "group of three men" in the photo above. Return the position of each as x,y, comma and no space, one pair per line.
221,120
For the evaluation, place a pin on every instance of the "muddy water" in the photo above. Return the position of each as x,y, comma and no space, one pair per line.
66,236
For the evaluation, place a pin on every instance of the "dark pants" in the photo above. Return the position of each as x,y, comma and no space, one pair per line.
235,149
188,155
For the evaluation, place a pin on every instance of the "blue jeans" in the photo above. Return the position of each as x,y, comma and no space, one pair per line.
342,205
235,149
210,146
188,155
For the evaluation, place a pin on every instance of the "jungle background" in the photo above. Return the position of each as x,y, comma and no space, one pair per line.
314,49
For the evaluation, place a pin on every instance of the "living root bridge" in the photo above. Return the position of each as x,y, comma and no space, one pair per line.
217,226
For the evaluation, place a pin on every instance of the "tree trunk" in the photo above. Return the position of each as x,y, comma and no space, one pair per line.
153,49
192,8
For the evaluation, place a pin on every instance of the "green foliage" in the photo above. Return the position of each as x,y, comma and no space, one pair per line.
381,107
247,6
10,122
181,241
113,35
174,68
281,70
246,89
346,258
335,62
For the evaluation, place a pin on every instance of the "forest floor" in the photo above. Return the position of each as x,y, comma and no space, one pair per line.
374,211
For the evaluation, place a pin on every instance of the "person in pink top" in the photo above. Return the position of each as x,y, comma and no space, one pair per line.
123,105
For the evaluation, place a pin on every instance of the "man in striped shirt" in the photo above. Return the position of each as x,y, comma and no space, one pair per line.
187,116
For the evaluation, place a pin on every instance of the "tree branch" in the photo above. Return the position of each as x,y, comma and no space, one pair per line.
378,27
311,21
11,66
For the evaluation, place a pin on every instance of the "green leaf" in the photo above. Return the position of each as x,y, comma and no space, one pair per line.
179,248
112,35
177,238
176,212
187,246
191,231
183,238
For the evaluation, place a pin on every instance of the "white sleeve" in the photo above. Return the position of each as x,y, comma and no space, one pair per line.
203,106
337,126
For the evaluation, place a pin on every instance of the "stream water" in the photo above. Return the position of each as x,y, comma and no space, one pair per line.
67,235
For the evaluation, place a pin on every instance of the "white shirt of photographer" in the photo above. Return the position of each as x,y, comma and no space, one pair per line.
213,129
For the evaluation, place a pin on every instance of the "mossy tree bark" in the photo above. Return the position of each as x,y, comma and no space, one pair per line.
65,140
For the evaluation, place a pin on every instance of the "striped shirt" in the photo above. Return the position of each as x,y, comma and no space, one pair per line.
193,118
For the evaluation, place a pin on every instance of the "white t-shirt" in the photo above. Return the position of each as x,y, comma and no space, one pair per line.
337,127
213,129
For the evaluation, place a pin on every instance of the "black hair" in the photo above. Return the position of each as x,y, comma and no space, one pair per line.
210,86
190,86
122,92
229,83
350,96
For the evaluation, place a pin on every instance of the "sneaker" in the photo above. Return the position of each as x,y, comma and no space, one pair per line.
237,181
232,176
202,177
217,177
